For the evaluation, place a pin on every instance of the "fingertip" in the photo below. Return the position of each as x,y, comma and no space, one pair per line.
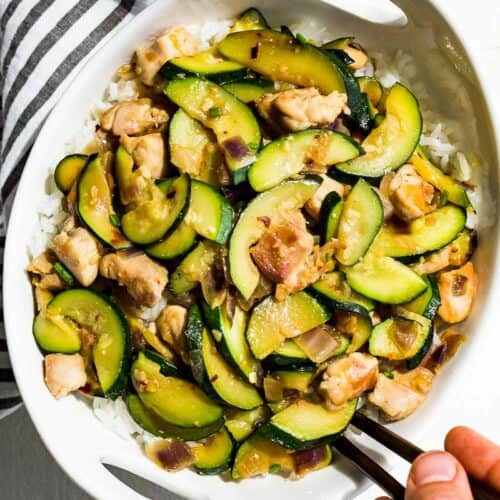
457,436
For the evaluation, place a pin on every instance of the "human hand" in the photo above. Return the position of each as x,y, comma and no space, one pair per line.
443,474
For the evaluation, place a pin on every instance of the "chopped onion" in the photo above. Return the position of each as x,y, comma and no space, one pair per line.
236,148
273,390
307,460
170,454
319,343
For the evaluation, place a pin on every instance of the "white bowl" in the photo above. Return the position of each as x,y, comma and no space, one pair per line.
74,436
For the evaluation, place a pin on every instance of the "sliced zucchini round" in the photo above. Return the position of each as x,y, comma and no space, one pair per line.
272,322
176,401
399,337
373,89
392,143
295,380
360,221
428,303
385,280
356,326
153,424
250,19
281,57
56,334
215,455
329,216
209,214
167,367
206,64
95,206
290,155
232,121
304,425
289,356
68,170
335,287
178,243
95,312
249,89
425,234
156,218
241,423
231,341
294,194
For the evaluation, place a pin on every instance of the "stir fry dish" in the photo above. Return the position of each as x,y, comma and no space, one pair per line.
255,248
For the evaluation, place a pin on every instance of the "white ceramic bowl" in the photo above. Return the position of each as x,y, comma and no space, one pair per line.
462,394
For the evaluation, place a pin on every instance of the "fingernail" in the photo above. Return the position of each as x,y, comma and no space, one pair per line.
434,468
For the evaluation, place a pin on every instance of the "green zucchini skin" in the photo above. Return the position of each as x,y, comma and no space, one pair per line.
415,361
68,170
329,216
93,180
289,356
242,423
167,368
250,19
428,303
177,244
216,455
155,425
249,89
52,337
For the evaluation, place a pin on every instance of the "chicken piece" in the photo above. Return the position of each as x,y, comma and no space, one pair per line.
176,42
51,282
43,266
384,193
144,279
313,206
64,373
171,324
299,109
401,396
283,248
148,152
410,195
348,377
457,290
133,117
78,251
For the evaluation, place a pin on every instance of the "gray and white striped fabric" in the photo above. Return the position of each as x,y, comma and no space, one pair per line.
43,43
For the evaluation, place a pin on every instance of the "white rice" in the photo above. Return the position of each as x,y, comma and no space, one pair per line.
439,136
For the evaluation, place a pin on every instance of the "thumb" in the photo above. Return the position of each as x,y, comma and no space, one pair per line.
437,475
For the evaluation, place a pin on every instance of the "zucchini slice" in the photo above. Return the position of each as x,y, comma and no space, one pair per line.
231,341
385,280
55,334
289,356
329,216
244,272
215,455
153,424
282,57
360,222
94,311
425,234
399,337
206,64
209,214
304,425
242,423
250,19
455,192
373,90
335,287
167,368
131,186
392,143
174,400
249,89
178,243
290,155
428,303
232,121
193,148
95,206
357,326
68,170
210,369
295,380
272,322
154,219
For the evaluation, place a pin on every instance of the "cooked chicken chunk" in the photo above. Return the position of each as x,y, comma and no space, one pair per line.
148,152
384,193
400,397
457,290
133,117
64,373
299,109
410,195
78,251
348,377
171,324
43,266
313,206
175,43
283,248
144,279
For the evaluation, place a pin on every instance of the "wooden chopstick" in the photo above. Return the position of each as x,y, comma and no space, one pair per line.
405,450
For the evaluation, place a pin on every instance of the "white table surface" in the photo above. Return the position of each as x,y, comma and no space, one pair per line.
28,472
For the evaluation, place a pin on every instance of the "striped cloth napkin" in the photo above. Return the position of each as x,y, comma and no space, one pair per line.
43,44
